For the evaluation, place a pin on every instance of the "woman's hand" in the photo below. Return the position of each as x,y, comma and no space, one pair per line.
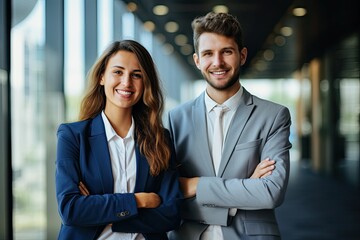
83,190
147,200
264,168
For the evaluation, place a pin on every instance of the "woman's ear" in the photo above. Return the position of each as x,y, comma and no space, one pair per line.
102,80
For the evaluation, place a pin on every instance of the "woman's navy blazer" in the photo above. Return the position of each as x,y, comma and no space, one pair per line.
83,155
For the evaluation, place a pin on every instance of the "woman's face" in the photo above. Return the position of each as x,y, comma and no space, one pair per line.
122,81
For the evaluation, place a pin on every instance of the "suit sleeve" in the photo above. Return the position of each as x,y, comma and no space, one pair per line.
78,210
191,208
254,194
164,218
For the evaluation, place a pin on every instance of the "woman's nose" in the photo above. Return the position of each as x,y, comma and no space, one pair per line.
126,80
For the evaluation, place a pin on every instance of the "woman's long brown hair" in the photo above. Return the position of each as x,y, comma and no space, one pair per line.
147,113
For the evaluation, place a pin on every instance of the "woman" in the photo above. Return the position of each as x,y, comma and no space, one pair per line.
115,171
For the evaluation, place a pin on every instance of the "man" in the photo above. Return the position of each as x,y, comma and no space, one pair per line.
222,201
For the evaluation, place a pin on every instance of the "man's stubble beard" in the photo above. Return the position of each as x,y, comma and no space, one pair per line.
235,78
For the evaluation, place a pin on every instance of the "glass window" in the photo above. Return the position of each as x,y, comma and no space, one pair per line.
74,57
105,24
128,28
28,138
349,128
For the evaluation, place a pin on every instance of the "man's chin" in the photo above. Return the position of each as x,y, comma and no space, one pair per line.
221,85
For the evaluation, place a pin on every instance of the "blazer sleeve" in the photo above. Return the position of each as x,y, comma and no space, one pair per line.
75,209
164,218
254,194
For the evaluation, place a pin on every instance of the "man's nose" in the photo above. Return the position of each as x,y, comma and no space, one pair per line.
218,60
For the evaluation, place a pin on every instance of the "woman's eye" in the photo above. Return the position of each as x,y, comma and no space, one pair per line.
137,76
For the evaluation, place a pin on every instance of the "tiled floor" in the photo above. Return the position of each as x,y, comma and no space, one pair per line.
317,207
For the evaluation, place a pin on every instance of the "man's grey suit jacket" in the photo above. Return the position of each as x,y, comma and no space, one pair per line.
260,129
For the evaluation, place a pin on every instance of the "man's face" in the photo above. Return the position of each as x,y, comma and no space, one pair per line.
219,60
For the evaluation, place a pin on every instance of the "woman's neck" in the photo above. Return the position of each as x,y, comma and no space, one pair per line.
120,120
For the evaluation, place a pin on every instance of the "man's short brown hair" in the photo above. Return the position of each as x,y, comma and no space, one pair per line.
219,23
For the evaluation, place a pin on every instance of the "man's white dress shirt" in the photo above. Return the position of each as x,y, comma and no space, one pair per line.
213,232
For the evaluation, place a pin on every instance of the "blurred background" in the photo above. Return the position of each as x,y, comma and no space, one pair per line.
303,54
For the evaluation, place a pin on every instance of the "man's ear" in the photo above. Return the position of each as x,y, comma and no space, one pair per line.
243,56
196,60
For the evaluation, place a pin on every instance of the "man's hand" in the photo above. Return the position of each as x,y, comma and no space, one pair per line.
264,168
188,186
147,200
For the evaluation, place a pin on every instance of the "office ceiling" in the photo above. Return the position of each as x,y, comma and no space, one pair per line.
276,39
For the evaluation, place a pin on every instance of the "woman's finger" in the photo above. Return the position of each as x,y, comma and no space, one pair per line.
83,190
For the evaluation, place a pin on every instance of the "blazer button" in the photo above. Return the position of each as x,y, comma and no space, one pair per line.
123,214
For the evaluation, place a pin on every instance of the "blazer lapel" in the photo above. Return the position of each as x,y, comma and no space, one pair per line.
200,128
100,150
236,128
142,170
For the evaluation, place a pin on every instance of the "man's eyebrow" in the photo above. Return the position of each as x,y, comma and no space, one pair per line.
224,48
206,50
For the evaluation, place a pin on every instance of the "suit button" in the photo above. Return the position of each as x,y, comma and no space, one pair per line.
123,214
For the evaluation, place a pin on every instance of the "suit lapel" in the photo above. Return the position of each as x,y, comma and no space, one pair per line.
100,150
236,128
200,128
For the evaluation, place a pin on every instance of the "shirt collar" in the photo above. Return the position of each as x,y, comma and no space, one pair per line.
110,132
232,103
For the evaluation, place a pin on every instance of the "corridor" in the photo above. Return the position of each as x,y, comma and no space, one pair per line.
318,207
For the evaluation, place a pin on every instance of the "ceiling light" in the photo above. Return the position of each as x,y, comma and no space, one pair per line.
160,10
160,37
286,31
261,65
168,49
131,7
280,41
171,27
299,12
149,26
269,55
186,49
220,9
181,39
